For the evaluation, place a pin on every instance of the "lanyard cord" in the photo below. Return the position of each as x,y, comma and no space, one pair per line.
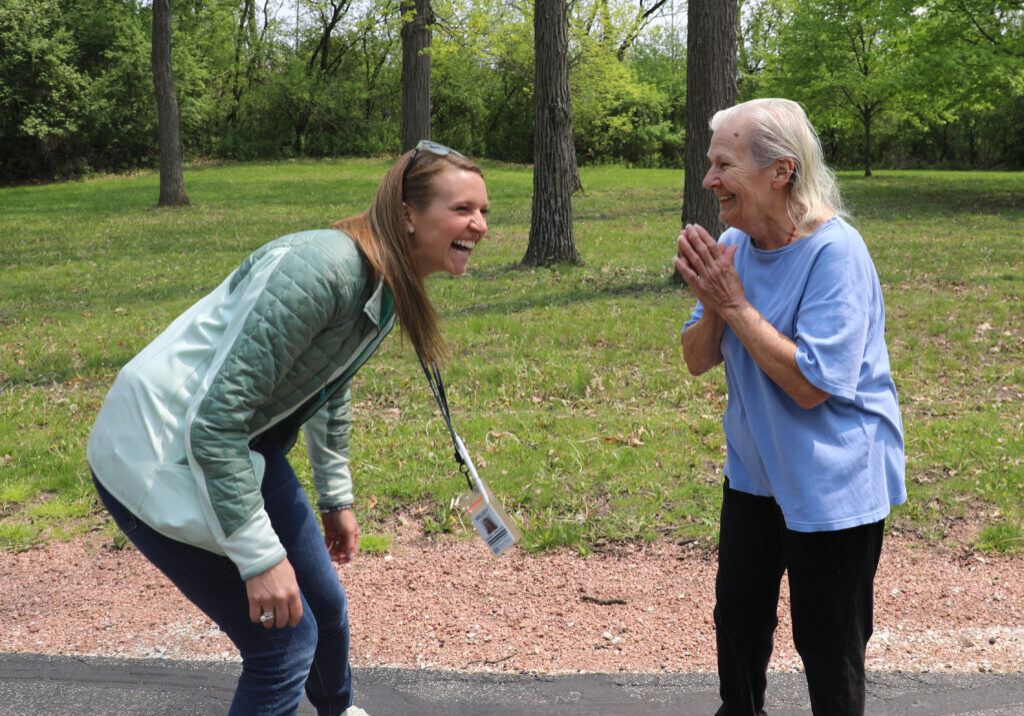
437,388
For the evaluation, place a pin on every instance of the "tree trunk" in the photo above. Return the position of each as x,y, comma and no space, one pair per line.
710,86
554,159
416,39
867,144
172,182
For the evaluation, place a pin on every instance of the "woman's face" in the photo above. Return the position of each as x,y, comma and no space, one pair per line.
743,189
446,231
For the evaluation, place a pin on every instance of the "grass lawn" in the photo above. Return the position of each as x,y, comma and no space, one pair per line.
567,384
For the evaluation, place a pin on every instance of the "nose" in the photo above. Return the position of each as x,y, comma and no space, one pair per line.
709,178
480,222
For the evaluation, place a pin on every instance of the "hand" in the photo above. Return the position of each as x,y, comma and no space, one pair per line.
708,268
341,535
275,591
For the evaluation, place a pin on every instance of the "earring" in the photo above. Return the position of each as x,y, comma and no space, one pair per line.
409,229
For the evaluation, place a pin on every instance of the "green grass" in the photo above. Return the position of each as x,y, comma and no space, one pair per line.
567,384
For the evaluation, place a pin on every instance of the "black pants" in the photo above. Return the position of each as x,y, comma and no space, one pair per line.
831,584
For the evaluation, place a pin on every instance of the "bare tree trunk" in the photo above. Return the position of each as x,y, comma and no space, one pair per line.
554,158
172,182
416,39
867,143
711,29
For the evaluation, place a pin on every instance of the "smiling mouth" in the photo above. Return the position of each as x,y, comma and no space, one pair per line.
463,246
726,197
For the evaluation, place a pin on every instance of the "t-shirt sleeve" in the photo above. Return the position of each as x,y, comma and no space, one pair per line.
833,318
698,313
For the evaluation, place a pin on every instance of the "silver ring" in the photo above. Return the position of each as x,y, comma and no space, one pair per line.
266,616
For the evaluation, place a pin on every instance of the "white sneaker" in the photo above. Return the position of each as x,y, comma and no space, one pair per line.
354,711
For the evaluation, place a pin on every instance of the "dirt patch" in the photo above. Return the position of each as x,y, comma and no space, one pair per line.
447,604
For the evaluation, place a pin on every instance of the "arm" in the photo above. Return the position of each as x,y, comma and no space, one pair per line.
327,440
709,270
270,326
702,343
775,353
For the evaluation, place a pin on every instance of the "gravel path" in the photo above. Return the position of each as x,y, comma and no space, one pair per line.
448,604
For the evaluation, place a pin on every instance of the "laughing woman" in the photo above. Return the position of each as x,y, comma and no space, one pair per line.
789,300
188,452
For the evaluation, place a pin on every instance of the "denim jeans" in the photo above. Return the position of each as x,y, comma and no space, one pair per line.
277,664
831,585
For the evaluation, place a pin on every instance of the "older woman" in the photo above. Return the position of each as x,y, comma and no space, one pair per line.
789,300
189,450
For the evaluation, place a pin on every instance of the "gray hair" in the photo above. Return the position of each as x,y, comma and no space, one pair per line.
781,130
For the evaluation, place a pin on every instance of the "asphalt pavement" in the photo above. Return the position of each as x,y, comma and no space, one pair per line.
34,685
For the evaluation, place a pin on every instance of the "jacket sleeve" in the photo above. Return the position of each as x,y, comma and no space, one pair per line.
285,299
327,435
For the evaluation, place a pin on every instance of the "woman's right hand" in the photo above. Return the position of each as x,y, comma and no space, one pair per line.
707,267
275,591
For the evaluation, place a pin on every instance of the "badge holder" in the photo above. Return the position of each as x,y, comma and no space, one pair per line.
491,521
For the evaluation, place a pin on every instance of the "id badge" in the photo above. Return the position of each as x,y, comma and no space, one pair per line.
490,520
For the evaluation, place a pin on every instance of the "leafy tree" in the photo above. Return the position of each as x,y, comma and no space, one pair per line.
659,61
113,51
41,91
844,58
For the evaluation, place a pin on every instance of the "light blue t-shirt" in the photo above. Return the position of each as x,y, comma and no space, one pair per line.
840,464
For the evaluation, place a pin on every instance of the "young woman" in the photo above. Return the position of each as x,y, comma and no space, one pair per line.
188,452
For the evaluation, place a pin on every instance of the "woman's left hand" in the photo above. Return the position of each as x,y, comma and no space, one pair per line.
341,535
708,268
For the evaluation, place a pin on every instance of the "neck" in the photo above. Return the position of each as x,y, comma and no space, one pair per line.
774,234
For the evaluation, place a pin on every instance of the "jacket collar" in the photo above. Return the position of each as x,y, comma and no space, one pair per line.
380,305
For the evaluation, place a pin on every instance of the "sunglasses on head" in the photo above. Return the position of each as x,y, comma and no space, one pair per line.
427,146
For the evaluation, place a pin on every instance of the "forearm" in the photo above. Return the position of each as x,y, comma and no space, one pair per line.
702,343
774,353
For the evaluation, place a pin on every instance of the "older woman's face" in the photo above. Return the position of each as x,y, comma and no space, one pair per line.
446,231
742,188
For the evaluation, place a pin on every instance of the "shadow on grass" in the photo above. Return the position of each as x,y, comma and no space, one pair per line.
594,289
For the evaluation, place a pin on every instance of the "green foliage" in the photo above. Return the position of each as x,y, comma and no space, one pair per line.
41,90
76,92
566,384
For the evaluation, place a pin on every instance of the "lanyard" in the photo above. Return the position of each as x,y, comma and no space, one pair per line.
461,454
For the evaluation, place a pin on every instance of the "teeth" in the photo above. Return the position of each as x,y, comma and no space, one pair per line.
464,245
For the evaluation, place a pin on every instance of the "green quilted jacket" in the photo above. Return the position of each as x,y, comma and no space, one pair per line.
270,350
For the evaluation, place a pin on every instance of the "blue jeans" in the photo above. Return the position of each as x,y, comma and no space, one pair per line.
276,663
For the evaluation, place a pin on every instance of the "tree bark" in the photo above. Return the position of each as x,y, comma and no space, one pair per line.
554,157
172,182
710,86
867,143
416,40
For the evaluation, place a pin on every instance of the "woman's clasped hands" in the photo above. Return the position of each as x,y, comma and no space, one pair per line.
708,268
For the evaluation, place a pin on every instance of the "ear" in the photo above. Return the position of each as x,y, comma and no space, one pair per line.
407,218
784,169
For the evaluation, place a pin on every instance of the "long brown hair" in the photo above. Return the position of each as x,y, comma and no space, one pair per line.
381,235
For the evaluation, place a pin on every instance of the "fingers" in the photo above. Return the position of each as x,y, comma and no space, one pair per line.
274,597
696,253
280,614
341,535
